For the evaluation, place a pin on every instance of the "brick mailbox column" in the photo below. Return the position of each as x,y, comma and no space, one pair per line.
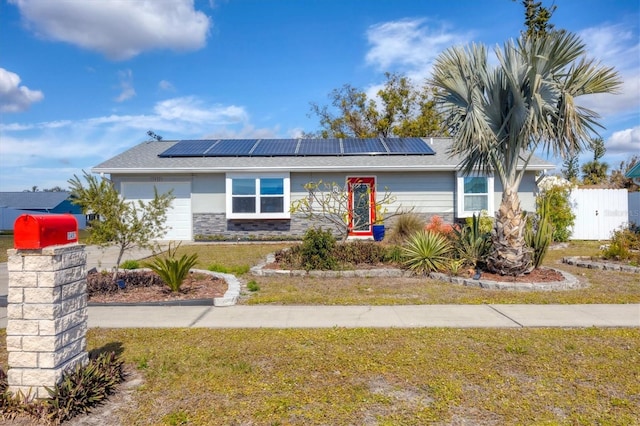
46,316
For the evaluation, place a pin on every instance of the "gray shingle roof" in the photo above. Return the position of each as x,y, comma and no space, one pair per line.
32,200
143,158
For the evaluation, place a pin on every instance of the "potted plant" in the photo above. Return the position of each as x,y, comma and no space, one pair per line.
378,224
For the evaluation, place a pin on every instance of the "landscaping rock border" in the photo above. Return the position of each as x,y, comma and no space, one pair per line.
229,298
569,282
587,262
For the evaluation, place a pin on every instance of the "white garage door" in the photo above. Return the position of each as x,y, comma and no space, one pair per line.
178,215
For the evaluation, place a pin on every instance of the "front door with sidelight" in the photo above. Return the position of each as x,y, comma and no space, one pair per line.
362,212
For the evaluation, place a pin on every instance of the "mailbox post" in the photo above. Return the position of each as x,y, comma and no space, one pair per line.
47,302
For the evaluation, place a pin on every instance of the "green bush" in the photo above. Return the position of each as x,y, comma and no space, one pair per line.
130,264
173,271
485,222
317,250
472,242
539,232
404,226
427,251
559,213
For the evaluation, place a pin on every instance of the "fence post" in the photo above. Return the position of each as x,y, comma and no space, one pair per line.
46,316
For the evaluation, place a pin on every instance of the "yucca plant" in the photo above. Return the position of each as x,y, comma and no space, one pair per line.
427,251
173,271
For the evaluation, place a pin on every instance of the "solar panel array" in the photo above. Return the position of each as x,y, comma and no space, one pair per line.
298,147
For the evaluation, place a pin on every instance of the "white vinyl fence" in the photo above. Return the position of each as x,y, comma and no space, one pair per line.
599,212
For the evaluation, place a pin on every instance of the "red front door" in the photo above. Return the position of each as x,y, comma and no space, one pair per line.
362,196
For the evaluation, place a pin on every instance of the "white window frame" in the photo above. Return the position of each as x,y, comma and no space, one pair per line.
460,195
286,214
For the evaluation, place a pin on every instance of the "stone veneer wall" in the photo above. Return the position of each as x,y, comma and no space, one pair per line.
216,225
46,316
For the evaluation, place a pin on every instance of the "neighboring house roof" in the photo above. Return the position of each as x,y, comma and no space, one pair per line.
634,173
144,158
33,200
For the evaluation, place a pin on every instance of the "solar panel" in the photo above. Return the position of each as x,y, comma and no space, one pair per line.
408,146
232,148
188,148
298,147
319,147
363,146
272,147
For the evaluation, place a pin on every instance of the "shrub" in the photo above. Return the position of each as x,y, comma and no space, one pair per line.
472,243
357,252
623,243
485,224
404,226
317,250
394,254
253,286
539,233
427,251
557,192
437,225
130,264
173,271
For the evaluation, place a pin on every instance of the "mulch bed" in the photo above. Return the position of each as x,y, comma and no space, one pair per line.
146,286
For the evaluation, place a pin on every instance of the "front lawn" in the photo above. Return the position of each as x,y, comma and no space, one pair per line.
380,376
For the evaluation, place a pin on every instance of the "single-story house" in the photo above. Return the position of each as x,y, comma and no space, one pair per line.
14,204
243,188
634,173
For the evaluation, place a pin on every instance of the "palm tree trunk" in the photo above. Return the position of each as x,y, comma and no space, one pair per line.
510,255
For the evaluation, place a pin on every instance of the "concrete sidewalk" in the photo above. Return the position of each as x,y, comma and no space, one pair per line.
457,316
414,316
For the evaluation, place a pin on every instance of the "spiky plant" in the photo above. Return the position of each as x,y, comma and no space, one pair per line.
427,251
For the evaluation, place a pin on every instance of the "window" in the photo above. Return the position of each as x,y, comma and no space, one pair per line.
257,196
475,193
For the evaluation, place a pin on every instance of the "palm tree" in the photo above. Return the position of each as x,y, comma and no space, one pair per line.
500,115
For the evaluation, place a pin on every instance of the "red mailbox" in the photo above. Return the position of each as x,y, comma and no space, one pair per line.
35,231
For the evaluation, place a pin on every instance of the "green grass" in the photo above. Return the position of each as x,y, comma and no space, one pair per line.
380,376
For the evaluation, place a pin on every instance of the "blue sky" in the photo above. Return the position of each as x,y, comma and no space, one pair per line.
81,81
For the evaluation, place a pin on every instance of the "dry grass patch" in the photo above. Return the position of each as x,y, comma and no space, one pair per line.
382,376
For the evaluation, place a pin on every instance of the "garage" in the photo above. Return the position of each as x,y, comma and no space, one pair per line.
178,215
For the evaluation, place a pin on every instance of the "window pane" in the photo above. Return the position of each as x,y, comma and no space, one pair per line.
244,205
271,186
361,210
475,202
271,205
475,185
243,187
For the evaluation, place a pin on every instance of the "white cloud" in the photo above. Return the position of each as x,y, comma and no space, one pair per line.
126,86
409,44
190,109
118,29
13,96
618,46
627,140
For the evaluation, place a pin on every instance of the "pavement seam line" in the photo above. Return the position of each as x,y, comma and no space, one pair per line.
199,317
505,315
